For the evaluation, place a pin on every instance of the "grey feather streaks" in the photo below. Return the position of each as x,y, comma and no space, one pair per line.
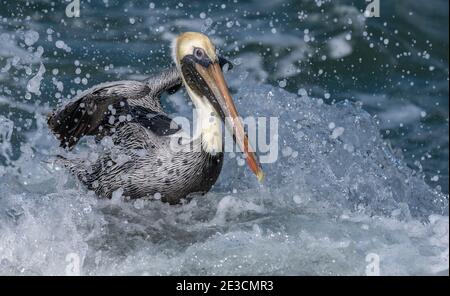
141,162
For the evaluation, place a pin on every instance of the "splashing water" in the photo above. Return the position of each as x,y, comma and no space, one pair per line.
337,196
323,208
6,130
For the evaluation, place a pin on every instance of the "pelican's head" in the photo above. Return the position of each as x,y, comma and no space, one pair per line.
200,67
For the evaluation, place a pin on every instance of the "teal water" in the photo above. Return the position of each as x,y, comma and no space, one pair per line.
403,82
382,187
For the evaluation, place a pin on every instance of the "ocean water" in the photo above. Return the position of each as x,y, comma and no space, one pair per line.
361,183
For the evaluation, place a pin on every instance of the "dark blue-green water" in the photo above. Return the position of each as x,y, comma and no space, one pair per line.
394,68
395,65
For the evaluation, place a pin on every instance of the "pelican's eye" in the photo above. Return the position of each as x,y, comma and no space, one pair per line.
199,53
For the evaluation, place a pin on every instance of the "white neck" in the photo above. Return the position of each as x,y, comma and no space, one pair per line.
208,125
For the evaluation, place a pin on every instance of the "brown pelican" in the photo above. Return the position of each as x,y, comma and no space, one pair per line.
142,161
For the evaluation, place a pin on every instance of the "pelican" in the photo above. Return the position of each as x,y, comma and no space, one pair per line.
131,115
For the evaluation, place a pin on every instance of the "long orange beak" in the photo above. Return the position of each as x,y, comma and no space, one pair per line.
213,76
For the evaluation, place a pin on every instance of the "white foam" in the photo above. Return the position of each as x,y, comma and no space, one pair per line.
339,47
320,214
34,84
